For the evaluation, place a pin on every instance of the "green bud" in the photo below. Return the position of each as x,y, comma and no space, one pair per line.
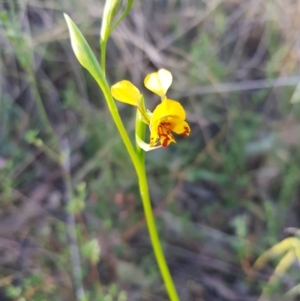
85,55
111,8
81,49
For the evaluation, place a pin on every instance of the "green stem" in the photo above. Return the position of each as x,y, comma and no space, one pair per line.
103,44
41,109
118,121
47,150
140,129
71,224
158,251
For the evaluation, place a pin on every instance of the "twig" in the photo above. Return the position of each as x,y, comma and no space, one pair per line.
71,225
242,86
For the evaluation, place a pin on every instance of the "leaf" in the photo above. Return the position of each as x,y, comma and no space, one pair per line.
283,265
283,246
293,292
84,53
296,95
297,252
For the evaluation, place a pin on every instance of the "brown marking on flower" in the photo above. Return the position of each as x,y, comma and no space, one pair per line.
186,131
166,124
165,135
154,143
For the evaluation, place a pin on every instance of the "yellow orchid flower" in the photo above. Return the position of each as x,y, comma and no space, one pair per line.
169,116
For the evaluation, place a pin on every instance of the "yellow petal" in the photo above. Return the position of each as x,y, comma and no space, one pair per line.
126,92
176,125
159,82
154,138
168,107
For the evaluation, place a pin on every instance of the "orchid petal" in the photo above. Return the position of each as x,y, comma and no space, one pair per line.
168,107
125,91
159,82
145,146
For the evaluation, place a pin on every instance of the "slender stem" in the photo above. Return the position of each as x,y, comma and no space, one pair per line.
27,62
41,109
100,77
71,225
118,121
103,44
47,150
140,129
158,251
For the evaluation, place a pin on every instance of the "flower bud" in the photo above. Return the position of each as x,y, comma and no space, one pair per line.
111,8
82,50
